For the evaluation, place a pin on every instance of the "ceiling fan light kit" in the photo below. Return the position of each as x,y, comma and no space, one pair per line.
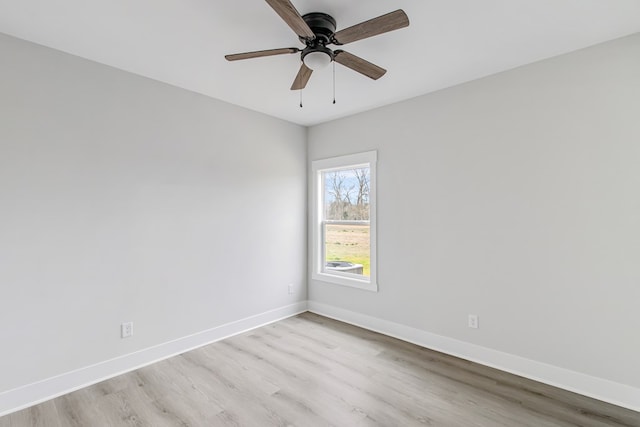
318,58
317,30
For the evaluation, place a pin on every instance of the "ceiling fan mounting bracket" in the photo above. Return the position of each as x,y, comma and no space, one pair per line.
322,25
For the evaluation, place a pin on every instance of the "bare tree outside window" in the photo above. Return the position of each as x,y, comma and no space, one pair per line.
362,201
347,195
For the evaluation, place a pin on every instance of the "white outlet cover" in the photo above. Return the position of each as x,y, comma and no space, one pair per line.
473,321
126,329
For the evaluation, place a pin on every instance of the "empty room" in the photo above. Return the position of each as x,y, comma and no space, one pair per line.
320,213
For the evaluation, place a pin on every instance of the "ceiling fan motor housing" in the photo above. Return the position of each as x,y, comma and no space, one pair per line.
322,25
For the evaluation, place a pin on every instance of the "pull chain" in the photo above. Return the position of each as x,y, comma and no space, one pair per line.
298,77
334,81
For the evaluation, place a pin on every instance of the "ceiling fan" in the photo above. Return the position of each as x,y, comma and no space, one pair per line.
317,30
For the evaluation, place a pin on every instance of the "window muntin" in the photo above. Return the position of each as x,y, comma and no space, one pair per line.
344,220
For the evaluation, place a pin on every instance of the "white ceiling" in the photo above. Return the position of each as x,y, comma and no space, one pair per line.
183,43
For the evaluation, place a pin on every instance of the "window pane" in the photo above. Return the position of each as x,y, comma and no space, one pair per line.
347,248
346,199
346,194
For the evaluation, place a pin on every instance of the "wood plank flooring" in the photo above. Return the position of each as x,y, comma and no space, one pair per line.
312,371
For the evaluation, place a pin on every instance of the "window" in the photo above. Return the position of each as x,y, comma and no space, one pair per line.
343,215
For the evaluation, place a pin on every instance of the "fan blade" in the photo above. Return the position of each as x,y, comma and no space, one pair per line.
358,64
373,27
302,77
290,15
260,53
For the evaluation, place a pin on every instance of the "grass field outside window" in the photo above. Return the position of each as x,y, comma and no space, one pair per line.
348,243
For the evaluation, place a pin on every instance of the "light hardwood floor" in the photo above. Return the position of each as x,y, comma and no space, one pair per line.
312,371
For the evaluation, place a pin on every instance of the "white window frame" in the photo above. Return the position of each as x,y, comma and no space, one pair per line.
318,272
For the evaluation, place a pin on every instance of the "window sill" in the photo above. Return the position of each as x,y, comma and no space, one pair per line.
366,285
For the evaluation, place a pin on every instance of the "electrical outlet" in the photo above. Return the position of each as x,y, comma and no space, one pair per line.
473,321
126,329
290,289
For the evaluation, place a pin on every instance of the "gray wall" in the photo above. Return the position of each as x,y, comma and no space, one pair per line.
125,199
515,197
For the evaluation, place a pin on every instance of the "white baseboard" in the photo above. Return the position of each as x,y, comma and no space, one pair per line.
31,394
597,388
